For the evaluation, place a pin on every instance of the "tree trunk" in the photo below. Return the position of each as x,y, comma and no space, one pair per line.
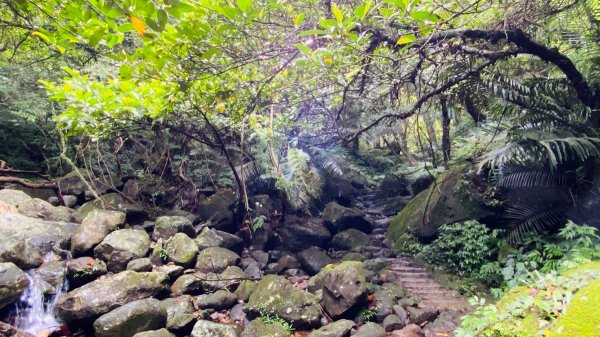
445,130
472,110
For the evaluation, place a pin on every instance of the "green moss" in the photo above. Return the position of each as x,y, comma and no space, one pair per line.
583,314
586,270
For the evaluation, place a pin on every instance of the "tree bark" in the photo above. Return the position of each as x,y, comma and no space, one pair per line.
472,110
445,130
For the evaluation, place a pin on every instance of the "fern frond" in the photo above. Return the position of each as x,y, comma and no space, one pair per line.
514,177
525,217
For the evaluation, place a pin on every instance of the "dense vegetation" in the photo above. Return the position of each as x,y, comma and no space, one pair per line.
489,110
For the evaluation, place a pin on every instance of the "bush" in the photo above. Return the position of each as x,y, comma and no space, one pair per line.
463,248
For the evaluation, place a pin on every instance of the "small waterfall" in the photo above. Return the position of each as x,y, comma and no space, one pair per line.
34,312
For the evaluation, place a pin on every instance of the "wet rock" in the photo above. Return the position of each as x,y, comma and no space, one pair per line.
299,234
216,259
343,286
180,312
178,212
167,226
38,208
386,297
341,328
84,270
140,265
122,246
208,238
106,294
94,228
13,282
53,273
350,239
261,256
219,300
216,210
182,250
259,328
340,218
210,329
24,240
131,318
186,284
155,333
261,236
114,202
313,260
411,330
6,330
370,330
253,271
277,296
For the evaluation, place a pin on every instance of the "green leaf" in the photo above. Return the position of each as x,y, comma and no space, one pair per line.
126,28
406,39
362,10
304,48
244,5
210,53
162,17
299,20
337,13
327,23
125,72
96,37
424,16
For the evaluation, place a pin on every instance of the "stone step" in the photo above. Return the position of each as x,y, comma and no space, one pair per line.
413,274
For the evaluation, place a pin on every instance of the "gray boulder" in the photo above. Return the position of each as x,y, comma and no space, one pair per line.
114,202
182,249
6,330
140,264
208,238
186,284
180,312
24,240
13,282
106,294
350,239
94,228
216,259
216,210
210,329
167,226
275,295
260,328
219,300
339,218
341,328
122,246
38,208
155,333
300,234
313,260
83,270
343,286
13,197
131,318
370,330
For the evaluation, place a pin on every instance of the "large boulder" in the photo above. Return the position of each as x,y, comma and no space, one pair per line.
7,330
275,295
13,197
260,328
313,260
83,270
131,318
106,294
94,228
219,300
447,201
24,240
114,202
180,312
350,239
211,329
343,286
122,246
217,210
339,218
182,250
38,208
208,238
167,226
341,328
155,333
370,330
299,234
216,260
393,186
13,282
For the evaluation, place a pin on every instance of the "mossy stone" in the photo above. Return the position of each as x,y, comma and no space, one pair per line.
583,314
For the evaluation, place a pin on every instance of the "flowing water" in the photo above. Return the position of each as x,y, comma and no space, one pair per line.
34,312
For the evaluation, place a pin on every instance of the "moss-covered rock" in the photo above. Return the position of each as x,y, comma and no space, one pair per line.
38,208
182,250
350,239
212,329
447,201
167,226
13,282
260,328
94,228
275,295
114,202
216,259
339,328
339,218
583,314
122,246
131,318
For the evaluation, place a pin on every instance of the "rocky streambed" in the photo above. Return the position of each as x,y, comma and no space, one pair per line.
196,275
